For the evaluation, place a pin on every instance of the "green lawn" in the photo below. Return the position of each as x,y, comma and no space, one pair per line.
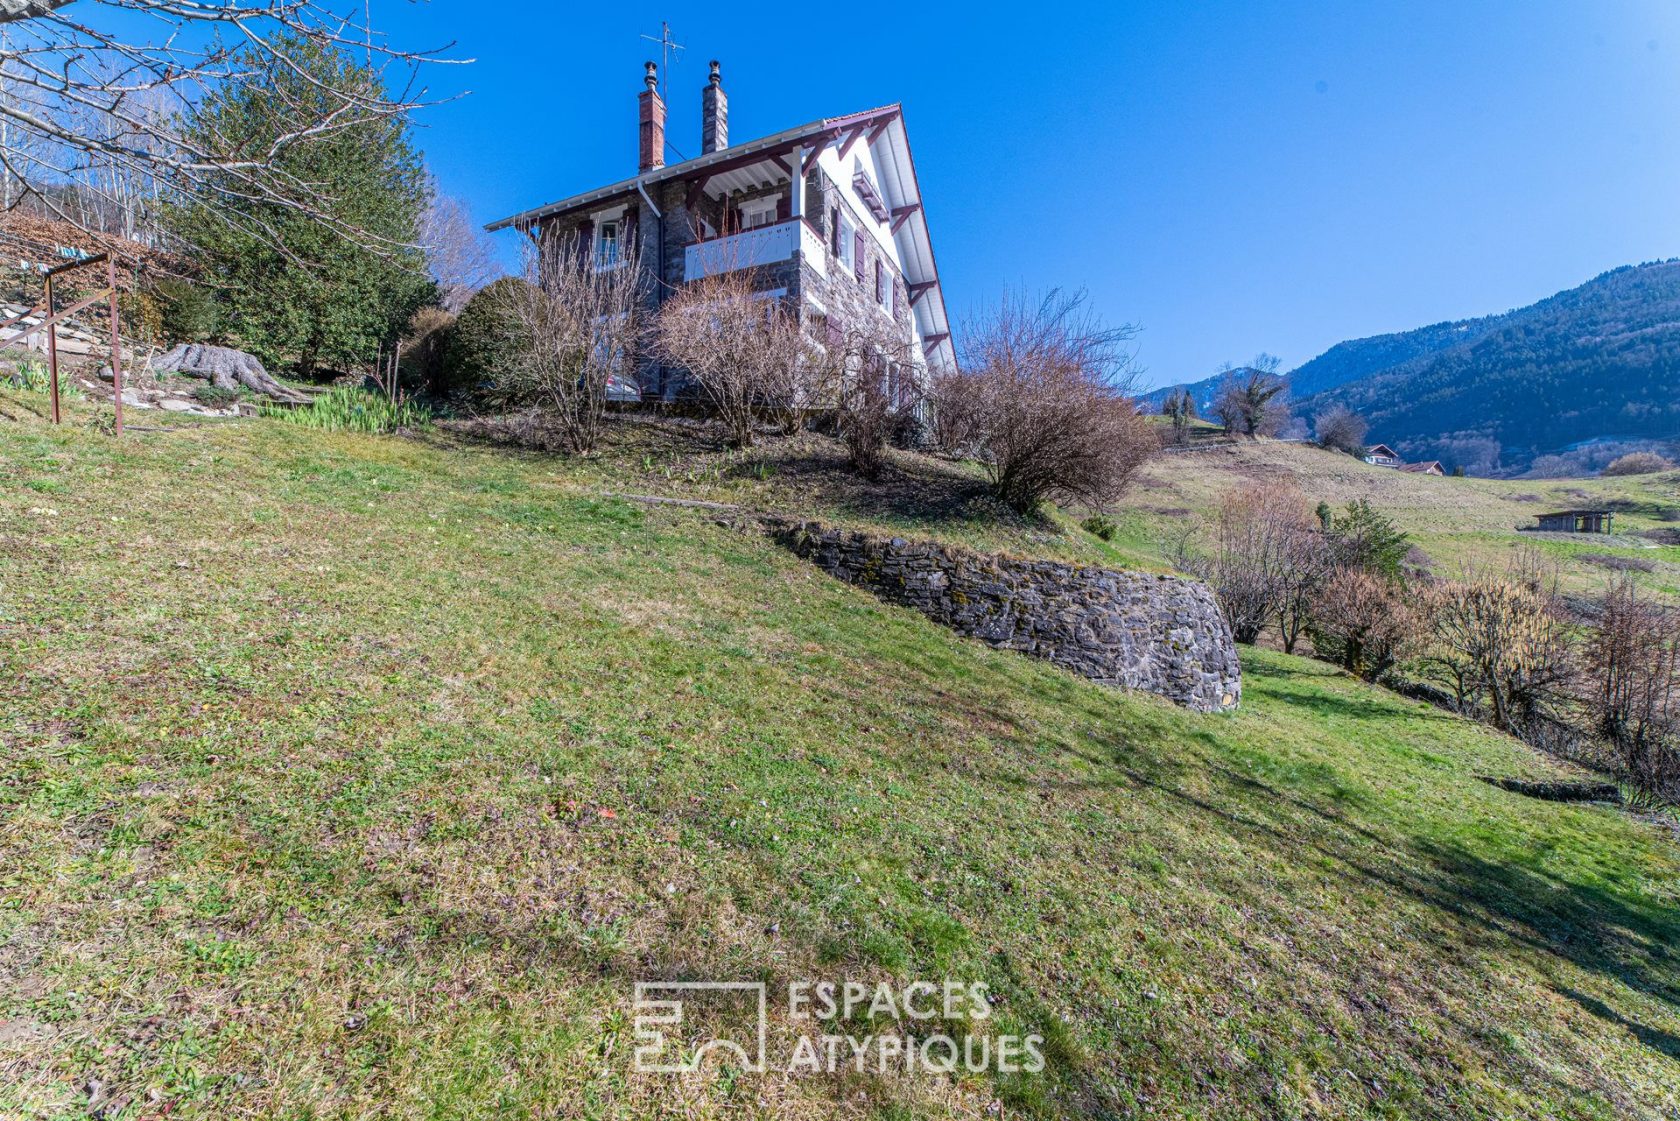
350,776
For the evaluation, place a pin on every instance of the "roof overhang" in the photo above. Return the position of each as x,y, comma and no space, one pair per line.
826,131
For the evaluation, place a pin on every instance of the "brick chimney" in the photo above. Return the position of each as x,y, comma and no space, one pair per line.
652,154
714,114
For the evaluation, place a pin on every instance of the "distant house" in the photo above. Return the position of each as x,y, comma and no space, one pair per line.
1381,455
1433,467
1576,521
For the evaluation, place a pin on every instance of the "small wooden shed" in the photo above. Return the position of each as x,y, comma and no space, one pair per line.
1576,521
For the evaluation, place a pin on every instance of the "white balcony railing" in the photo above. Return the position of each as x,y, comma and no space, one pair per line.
762,246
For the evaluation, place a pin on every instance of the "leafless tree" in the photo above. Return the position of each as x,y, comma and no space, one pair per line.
1263,556
579,328
1339,428
1044,389
93,109
459,253
1252,400
745,348
1365,622
1500,640
1633,664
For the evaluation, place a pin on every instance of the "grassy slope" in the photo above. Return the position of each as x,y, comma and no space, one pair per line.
300,815
1455,521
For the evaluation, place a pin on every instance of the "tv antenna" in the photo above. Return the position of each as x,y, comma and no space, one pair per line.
666,46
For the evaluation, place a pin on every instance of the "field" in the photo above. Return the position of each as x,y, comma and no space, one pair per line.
353,776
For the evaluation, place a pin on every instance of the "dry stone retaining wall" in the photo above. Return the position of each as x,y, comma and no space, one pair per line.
1161,634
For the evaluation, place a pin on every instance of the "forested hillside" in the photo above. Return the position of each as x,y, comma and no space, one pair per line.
1600,362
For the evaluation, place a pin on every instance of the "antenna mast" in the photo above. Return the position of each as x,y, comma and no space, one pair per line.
666,46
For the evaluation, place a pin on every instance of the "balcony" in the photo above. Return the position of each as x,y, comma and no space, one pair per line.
762,246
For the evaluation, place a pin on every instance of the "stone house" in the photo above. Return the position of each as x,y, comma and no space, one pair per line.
828,216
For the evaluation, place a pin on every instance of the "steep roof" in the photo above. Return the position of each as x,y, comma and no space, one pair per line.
770,158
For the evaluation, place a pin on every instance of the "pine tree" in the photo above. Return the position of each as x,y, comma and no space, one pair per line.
295,291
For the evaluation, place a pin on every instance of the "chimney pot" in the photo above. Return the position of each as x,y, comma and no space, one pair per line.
714,114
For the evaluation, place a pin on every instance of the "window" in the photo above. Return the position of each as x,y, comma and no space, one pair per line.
850,245
606,245
882,284
760,212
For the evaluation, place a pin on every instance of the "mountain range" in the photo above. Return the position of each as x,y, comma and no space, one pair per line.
1597,366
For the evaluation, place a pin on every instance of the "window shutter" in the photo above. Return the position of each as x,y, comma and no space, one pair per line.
586,239
784,207
857,253
834,230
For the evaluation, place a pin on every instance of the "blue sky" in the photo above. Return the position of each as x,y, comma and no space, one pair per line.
1231,177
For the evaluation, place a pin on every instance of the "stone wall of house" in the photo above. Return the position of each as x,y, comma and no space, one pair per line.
1160,634
842,295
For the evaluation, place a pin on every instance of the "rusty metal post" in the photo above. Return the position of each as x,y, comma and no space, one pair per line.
52,349
116,342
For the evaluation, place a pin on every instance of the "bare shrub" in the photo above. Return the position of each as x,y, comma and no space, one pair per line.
1365,622
1633,664
577,328
1499,641
1638,463
1263,558
1042,401
745,349
954,409
866,370
1339,428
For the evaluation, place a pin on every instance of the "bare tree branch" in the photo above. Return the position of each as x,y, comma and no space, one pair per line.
93,122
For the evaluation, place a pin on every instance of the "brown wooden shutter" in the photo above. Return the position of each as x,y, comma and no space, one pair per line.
586,240
834,230
857,254
784,207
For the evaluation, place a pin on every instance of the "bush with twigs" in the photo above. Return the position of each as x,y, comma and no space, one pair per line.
1041,401
1339,428
1500,642
1638,463
1263,556
576,329
1633,671
1365,622
865,369
745,350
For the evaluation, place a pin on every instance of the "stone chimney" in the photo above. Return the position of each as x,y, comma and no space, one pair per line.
714,114
652,115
